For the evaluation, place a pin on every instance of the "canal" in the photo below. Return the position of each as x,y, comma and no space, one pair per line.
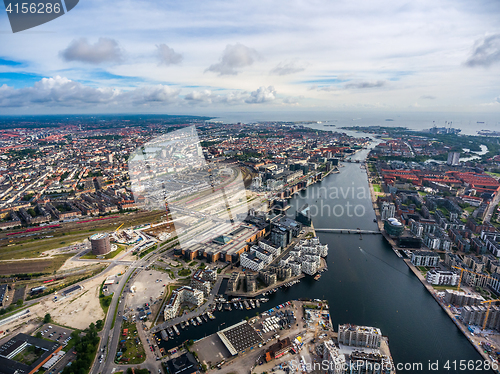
366,283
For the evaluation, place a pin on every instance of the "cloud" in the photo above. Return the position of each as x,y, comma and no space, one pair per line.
428,97
205,97
234,57
63,92
485,52
286,68
167,56
104,50
365,84
261,95
292,100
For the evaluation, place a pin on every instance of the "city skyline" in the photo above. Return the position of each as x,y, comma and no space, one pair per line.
255,57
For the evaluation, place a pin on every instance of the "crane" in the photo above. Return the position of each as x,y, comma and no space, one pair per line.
317,323
488,310
468,271
118,228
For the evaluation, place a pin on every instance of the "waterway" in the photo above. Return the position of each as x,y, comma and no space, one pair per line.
366,283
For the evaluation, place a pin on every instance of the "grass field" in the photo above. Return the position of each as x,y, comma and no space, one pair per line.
90,256
48,265
132,347
377,188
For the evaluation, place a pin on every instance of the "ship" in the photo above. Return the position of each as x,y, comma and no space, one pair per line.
164,335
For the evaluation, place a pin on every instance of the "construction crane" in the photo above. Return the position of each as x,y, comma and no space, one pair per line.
488,310
118,228
317,323
468,271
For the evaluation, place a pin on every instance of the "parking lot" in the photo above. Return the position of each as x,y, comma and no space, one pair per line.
62,335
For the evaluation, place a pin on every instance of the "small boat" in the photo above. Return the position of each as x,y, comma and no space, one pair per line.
227,306
204,316
176,329
245,303
317,277
264,300
170,331
219,307
210,315
241,306
193,322
252,304
164,335
198,319
257,303
235,305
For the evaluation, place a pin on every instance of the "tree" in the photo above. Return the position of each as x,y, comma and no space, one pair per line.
47,318
99,325
39,335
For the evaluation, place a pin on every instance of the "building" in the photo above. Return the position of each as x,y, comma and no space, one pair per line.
233,282
460,298
43,349
239,338
359,336
202,280
393,227
387,210
183,364
268,277
336,360
270,247
100,244
184,294
251,261
441,277
251,282
425,258
278,349
368,363
453,159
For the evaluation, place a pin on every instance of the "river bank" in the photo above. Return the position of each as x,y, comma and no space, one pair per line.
474,341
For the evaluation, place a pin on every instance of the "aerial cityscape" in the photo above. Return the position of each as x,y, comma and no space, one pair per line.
254,187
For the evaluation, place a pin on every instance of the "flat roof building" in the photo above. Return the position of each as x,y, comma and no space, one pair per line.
240,337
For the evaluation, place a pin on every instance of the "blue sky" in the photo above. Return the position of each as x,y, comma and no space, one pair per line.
274,55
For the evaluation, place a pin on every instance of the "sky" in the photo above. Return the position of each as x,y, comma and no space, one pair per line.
224,56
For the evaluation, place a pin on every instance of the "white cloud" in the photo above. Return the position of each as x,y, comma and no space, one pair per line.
62,92
104,50
261,95
486,52
234,57
365,84
287,68
167,56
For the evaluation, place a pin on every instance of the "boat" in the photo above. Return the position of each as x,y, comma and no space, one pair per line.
240,306
257,303
245,303
227,306
264,300
204,316
193,322
252,304
219,307
317,277
198,319
164,335
235,305
170,331
210,315
176,329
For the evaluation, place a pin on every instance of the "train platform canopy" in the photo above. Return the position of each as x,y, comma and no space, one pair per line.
240,337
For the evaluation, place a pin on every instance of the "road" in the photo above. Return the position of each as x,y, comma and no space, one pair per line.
491,208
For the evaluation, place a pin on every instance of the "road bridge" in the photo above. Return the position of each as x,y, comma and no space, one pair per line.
349,231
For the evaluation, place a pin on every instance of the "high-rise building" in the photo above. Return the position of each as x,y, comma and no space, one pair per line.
453,158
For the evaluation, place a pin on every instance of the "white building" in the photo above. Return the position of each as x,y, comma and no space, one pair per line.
251,261
441,277
184,294
388,210
265,256
270,247
336,360
424,258
359,336
313,246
